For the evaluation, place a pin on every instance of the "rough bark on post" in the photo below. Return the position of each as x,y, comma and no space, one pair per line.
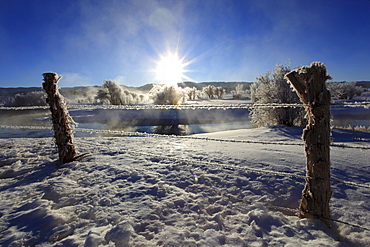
62,123
309,83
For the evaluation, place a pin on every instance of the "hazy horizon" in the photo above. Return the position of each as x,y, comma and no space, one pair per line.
149,83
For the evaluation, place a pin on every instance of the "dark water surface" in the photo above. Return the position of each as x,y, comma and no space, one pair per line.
195,121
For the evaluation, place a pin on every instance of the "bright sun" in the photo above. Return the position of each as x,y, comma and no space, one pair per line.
170,69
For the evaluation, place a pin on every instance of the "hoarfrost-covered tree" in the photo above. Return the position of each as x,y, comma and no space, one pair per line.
239,92
167,95
271,87
344,90
192,93
213,92
209,91
112,93
35,98
219,92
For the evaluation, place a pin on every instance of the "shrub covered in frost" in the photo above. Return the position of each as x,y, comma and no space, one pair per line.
192,93
167,95
344,90
239,92
213,92
112,93
219,92
358,128
271,87
36,98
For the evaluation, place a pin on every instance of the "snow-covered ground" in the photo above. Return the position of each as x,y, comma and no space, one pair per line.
177,191
166,191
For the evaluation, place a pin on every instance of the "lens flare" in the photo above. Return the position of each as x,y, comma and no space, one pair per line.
170,69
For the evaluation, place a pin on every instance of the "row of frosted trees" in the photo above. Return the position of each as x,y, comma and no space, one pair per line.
270,87
112,93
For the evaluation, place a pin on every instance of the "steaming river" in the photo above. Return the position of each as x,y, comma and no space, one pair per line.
196,121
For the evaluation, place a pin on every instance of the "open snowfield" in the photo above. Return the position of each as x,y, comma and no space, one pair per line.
171,191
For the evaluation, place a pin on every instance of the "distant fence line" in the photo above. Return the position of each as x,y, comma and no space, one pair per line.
185,107
145,134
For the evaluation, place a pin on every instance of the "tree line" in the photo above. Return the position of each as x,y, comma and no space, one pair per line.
270,87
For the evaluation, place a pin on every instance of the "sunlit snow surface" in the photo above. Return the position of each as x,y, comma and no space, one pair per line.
131,191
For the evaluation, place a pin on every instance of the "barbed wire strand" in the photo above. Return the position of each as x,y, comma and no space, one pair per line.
145,134
261,171
183,107
206,139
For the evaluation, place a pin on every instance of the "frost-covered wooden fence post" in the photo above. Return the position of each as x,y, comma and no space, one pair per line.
62,123
309,83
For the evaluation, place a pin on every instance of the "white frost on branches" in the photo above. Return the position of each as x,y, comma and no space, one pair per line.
112,93
271,87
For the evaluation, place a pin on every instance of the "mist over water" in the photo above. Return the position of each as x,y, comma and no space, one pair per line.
146,120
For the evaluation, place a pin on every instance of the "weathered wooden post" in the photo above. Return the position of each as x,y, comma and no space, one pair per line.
63,124
309,83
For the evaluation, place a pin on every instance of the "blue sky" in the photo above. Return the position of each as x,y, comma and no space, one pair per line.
89,41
